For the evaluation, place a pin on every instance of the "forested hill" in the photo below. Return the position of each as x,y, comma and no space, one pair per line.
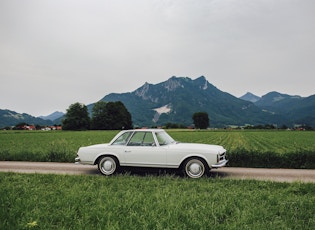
10,118
178,98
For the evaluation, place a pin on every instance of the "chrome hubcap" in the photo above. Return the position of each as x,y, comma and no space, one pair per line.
195,168
108,165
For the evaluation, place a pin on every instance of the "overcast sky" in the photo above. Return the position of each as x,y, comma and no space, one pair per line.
54,53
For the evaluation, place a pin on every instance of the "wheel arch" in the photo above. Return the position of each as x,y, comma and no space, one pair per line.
99,157
192,157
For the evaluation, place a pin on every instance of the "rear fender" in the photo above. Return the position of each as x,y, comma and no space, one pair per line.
99,156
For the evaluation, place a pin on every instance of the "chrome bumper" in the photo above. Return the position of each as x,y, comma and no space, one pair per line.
220,164
77,160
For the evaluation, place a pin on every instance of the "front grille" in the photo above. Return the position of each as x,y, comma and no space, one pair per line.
222,156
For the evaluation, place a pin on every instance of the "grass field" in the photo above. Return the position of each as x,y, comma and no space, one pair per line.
280,149
272,149
34,201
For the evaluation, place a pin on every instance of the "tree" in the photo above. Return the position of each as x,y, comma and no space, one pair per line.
99,116
201,120
76,118
20,126
118,116
110,116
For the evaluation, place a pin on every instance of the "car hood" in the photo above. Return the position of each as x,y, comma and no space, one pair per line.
198,147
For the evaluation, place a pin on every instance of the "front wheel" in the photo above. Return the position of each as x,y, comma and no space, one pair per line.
195,168
108,165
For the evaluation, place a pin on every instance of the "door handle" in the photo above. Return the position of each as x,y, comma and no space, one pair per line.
127,151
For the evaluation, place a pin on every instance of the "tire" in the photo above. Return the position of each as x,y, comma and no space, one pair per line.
195,168
108,165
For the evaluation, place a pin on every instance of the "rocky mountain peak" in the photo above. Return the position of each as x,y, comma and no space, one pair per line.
143,90
250,97
172,84
203,82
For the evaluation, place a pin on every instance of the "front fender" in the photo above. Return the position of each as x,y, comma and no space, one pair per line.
195,156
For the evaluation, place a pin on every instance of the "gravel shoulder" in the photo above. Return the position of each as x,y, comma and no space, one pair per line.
279,175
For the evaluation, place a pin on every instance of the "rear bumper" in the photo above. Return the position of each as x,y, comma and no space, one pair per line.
77,160
220,164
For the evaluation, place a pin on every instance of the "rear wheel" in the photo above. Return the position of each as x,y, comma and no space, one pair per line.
108,165
195,168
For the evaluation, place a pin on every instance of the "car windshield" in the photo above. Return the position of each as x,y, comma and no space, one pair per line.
164,139
122,139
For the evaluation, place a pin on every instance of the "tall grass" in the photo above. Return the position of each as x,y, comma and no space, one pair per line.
57,146
163,202
271,149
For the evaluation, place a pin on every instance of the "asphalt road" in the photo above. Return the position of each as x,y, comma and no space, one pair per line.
280,175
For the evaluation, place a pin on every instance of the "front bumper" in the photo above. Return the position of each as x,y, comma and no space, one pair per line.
220,164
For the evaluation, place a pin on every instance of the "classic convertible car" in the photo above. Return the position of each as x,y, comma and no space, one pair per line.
152,148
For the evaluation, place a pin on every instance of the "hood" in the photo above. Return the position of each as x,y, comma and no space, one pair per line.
198,147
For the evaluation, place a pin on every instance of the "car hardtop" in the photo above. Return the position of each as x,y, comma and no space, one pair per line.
134,131
139,130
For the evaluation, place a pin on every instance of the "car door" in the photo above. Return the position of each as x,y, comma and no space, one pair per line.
142,150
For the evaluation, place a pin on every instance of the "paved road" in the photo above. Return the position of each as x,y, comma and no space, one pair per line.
280,175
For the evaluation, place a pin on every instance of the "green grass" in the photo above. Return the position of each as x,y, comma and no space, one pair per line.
57,146
264,149
273,149
34,201
256,141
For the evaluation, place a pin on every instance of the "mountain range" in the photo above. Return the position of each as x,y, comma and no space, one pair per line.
10,118
178,98
53,116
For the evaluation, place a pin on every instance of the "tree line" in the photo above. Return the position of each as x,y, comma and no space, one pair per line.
110,116
105,116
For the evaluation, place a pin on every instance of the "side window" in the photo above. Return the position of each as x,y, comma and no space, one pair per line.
136,139
148,139
122,140
160,138
142,139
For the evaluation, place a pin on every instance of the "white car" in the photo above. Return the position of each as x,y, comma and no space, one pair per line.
152,148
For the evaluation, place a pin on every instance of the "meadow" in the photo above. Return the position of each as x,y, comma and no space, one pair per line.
40,201
272,149
163,201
